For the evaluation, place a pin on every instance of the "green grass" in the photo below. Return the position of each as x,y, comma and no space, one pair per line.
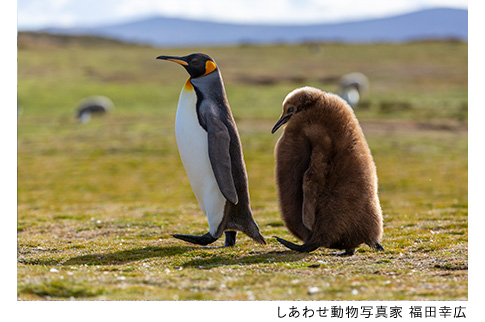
97,202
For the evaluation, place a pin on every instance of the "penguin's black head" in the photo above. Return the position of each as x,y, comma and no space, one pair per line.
197,65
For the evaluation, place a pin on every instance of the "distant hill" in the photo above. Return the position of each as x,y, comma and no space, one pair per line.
35,40
161,31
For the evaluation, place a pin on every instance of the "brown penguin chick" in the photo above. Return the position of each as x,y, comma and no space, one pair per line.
326,178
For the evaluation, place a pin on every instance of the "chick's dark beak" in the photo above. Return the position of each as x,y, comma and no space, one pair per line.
175,59
280,122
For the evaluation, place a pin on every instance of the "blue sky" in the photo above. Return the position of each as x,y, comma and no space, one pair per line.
34,14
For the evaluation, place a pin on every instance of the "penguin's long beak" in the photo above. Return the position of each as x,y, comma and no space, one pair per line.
281,121
175,59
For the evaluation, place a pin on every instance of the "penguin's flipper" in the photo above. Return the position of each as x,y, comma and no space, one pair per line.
313,179
220,158
305,248
310,196
203,240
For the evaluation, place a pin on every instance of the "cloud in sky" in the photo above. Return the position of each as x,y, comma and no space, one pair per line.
36,14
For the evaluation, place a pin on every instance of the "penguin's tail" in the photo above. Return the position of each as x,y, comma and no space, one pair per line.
250,228
240,218
305,248
253,231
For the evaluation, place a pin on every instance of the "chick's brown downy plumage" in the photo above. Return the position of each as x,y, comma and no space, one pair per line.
326,177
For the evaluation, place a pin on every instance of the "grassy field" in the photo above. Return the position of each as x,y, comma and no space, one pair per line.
97,202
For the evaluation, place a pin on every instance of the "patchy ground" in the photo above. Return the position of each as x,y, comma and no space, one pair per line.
104,250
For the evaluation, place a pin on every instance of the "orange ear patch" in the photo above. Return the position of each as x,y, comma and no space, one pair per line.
209,67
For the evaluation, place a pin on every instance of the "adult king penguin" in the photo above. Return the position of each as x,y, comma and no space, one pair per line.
210,149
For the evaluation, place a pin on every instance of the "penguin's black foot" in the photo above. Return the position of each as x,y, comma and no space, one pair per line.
230,238
305,248
203,240
348,252
378,246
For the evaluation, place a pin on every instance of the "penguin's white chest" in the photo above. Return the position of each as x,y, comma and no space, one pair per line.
192,143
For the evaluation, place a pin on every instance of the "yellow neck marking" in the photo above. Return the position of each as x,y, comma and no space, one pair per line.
188,85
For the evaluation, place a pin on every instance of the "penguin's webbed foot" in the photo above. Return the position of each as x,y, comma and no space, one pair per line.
203,240
378,246
230,238
305,248
348,252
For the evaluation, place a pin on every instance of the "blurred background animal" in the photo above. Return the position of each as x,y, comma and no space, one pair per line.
91,106
352,87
